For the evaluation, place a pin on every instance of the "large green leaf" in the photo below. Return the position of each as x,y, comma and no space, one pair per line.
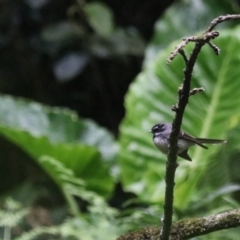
226,169
207,115
98,221
184,18
80,145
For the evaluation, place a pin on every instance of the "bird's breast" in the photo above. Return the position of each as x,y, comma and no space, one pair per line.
161,143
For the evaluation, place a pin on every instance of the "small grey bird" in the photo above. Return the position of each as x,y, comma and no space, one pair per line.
161,133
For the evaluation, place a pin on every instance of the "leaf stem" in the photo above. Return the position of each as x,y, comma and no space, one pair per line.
71,203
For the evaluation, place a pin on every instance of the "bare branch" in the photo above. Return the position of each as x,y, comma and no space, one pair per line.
177,49
189,228
174,108
196,90
183,95
215,48
209,36
181,51
221,19
205,38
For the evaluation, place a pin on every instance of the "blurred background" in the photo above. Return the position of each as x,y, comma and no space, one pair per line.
74,54
83,55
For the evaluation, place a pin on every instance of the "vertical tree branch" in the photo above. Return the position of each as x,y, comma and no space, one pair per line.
183,96
172,155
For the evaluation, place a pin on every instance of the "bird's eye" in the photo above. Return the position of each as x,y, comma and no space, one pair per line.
158,128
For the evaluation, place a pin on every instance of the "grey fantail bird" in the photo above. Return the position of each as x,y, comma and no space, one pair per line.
161,133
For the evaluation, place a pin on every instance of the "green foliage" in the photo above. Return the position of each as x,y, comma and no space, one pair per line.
12,214
100,221
209,114
100,17
78,145
77,154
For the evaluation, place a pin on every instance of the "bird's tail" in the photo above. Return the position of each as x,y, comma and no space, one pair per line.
210,141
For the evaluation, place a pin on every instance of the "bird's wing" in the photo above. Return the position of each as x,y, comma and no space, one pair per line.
185,155
187,137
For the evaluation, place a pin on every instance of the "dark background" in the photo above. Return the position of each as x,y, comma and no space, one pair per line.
96,91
